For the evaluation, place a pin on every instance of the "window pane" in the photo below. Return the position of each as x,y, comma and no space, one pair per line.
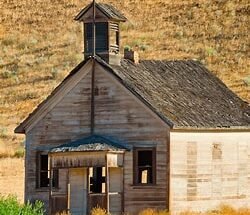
145,158
44,179
145,176
44,162
88,37
101,37
144,166
44,173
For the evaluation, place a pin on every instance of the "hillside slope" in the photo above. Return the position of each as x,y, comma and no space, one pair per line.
40,43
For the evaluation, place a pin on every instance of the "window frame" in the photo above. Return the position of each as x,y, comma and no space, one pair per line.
55,176
136,150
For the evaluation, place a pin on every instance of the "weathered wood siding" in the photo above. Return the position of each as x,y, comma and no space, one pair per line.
68,120
85,159
121,114
209,168
116,190
117,113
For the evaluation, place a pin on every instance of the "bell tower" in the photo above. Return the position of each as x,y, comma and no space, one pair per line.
101,31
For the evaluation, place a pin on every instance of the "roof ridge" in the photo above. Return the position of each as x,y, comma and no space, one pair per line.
107,9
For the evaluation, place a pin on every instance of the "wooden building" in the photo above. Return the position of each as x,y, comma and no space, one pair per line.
126,135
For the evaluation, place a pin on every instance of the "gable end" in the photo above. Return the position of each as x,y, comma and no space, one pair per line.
57,94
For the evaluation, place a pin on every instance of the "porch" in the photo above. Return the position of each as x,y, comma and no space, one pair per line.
94,169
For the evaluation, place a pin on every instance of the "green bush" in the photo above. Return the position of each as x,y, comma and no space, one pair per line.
19,153
10,205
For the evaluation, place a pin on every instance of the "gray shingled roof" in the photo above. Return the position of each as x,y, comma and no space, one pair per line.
92,143
184,92
107,9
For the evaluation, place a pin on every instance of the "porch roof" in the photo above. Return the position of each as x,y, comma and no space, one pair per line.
92,143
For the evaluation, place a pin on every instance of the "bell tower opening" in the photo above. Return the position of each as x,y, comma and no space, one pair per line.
107,20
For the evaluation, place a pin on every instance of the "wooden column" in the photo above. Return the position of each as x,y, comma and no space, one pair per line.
50,184
107,182
92,114
68,193
123,182
87,204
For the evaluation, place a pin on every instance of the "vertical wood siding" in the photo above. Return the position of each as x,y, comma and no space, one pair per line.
68,120
118,113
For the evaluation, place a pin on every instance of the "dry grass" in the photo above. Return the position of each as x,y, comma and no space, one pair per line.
221,210
40,43
12,177
63,213
98,211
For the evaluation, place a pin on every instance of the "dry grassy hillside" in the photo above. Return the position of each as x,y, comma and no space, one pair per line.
40,43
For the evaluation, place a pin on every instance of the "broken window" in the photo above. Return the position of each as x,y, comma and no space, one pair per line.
144,166
97,180
44,173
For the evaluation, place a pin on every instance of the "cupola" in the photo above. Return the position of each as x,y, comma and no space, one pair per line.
106,20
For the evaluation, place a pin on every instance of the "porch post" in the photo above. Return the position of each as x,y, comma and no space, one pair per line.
88,195
107,182
50,183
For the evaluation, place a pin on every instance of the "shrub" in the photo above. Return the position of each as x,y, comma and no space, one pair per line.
150,211
3,133
10,205
19,153
9,74
54,73
127,48
165,212
247,80
63,213
99,211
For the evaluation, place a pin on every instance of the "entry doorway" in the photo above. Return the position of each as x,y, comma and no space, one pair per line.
78,191
97,188
87,189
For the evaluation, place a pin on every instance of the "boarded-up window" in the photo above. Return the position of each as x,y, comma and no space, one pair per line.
216,151
144,166
101,37
43,173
